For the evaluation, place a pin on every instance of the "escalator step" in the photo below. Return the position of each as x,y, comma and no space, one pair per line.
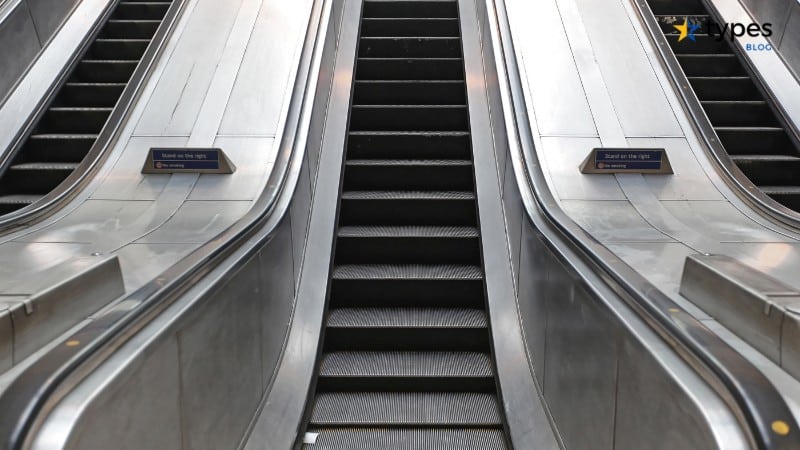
400,144
121,49
130,29
410,92
408,117
739,113
407,208
69,120
406,371
406,272
755,140
409,27
374,174
104,71
725,88
9,203
380,328
58,147
470,409
771,170
711,65
411,8
409,47
354,438
410,69
703,44
36,178
89,94
137,10
407,244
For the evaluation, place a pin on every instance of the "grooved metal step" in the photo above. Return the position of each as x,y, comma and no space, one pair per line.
469,409
406,354
408,438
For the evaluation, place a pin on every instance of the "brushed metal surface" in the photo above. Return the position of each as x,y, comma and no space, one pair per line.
19,45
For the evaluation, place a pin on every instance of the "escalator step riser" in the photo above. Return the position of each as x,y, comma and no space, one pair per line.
374,118
406,339
119,49
38,182
678,8
409,69
403,9
727,89
409,47
739,114
87,95
61,150
409,146
407,250
141,11
407,212
425,27
407,293
702,45
409,93
88,121
408,177
405,384
791,201
130,29
711,66
771,173
774,142
104,71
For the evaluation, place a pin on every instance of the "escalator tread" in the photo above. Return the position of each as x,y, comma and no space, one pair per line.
406,356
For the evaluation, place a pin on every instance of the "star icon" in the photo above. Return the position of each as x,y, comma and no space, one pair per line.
687,30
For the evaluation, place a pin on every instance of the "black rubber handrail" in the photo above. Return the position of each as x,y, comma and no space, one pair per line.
754,399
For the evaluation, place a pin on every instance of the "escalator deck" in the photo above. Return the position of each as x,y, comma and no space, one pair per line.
743,119
69,127
406,358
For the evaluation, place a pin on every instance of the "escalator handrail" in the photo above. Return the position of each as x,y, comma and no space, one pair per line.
739,183
751,396
38,387
82,175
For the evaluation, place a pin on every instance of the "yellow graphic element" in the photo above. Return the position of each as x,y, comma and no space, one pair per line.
780,427
73,343
684,29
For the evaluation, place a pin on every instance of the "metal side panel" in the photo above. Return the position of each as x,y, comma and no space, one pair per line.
141,411
48,16
19,45
220,363
7,306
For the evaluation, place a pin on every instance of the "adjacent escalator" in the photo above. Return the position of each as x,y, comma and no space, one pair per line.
71,123
741,115
406,357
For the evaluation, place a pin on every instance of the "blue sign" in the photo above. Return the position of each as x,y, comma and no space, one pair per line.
627,159
185,159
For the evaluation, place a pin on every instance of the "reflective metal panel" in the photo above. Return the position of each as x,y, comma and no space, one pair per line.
263,82
221,365
580,380
721,222
653,411
197,221
563,156
613,221
48,16
562,111
7,303
158,256
253,158
142,412
19,45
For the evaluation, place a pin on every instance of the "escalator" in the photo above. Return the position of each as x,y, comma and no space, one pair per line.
406,357
71,123
741,115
